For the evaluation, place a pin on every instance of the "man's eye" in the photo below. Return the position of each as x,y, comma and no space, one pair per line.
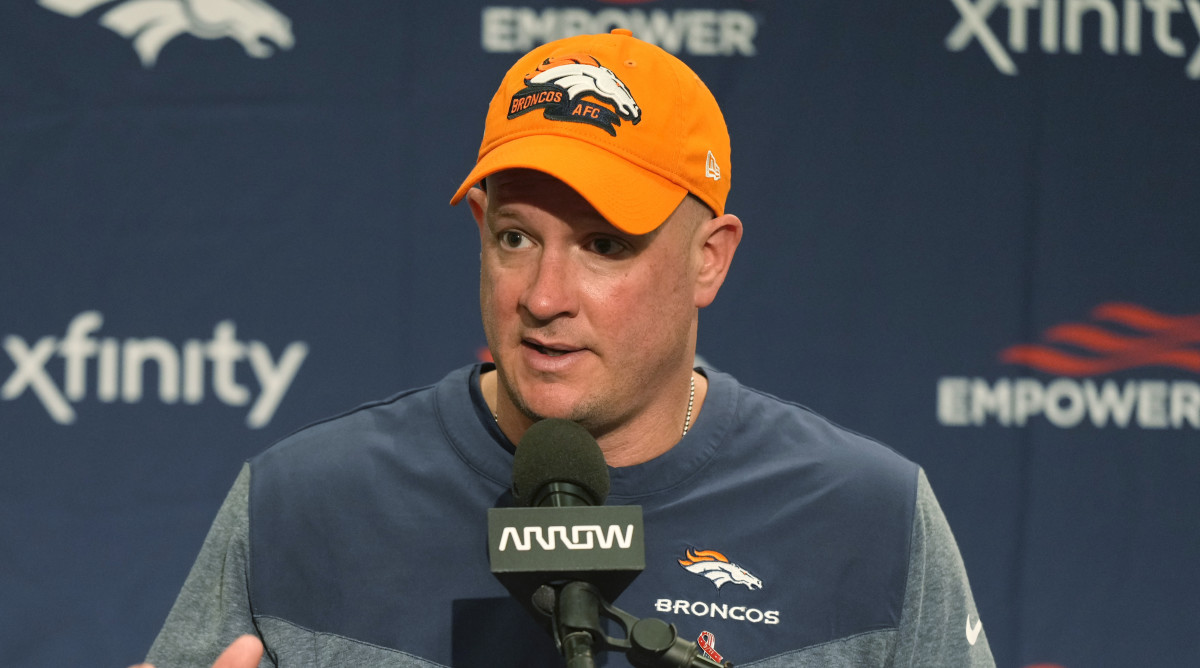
606,246
512,239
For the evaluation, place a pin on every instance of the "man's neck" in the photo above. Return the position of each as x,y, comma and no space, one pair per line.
645,437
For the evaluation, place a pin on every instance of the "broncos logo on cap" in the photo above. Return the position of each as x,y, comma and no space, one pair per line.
584,75
717,568
153,23
560,84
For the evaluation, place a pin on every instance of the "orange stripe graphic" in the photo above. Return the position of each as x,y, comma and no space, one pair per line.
1150,339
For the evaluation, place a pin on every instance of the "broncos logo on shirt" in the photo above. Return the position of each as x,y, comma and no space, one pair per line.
152,23
718,569
560,85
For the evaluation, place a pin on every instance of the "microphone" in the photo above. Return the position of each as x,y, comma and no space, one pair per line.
558,464
562,532
564,555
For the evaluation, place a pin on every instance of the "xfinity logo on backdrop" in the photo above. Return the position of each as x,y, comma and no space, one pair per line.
1117,25
150,24
120,368
694,32
1120,337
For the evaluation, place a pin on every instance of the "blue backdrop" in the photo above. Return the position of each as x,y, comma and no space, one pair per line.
970,232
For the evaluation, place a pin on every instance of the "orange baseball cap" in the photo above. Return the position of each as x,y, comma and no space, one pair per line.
624,123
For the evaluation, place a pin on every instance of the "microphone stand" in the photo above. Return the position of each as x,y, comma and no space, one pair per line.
575,609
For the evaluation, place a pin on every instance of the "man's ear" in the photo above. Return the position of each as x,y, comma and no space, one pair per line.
719,238
477,198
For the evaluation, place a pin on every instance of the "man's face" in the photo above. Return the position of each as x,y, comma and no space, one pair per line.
584,321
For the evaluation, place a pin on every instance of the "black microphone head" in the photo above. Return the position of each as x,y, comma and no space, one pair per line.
558,451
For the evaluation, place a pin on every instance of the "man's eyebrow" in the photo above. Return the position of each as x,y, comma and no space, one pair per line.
506,211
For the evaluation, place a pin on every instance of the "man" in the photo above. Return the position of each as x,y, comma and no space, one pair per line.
773,537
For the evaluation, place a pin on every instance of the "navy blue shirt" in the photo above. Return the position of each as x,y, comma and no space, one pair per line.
373,525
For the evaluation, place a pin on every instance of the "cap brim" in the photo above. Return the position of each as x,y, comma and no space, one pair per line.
633,199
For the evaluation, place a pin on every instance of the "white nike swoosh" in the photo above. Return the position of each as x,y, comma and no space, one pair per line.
973,632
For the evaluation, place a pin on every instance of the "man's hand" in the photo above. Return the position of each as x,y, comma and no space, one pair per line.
245,652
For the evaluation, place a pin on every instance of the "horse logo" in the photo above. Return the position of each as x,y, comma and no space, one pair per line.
560,85
718,569
257,26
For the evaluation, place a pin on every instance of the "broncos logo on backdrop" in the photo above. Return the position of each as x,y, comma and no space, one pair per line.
560,85
717,568
152,23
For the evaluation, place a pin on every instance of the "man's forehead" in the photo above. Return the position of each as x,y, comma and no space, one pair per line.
539,189
514,179
547,192
510,183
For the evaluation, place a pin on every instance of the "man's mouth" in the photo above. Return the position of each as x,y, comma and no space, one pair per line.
548,350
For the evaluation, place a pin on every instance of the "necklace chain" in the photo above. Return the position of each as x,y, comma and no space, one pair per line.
687,421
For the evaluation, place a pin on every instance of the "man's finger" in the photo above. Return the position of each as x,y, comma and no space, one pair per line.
245,652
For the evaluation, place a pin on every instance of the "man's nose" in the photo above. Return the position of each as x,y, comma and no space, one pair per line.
552,292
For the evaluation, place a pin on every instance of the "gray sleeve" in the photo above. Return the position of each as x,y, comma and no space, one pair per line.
939,625
213,608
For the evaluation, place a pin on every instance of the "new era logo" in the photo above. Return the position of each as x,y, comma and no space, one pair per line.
711,169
